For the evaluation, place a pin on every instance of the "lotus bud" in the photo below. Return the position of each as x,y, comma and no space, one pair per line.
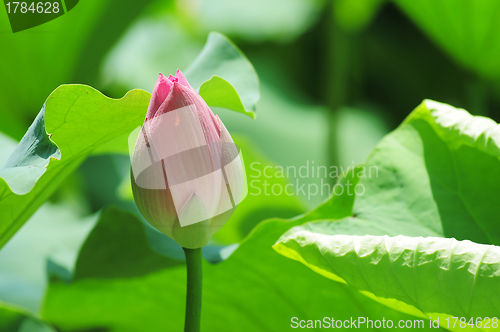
187,174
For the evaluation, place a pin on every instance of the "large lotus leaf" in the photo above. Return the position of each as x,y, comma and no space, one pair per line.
428,277
435,176
78,119
468,30
255,289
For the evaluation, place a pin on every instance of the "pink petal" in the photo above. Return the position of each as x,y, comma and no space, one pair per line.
183,135
172,79
233,185
160,92
182,79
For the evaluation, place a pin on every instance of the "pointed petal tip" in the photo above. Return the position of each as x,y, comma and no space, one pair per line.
159,94
182,79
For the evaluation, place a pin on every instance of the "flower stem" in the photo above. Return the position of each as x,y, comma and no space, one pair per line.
194,286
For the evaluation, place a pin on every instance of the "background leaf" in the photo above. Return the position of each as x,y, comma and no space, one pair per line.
15,320
218,92
468,31
220,57
355,15
55,232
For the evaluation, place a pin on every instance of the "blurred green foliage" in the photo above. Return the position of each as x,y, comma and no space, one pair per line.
335,75
15,319
66,50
